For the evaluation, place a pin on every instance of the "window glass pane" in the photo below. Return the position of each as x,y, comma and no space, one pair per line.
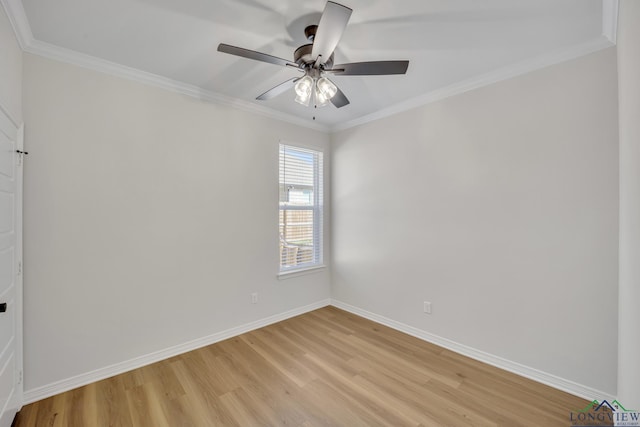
296,230
297,175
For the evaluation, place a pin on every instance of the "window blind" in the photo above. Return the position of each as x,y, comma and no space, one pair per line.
301,209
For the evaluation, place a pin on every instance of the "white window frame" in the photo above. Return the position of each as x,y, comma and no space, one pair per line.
317,208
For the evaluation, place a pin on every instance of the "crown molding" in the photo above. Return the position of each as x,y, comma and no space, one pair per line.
477,82
18,18
58,53
610,19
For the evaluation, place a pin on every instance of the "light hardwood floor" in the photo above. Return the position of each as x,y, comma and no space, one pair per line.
324,368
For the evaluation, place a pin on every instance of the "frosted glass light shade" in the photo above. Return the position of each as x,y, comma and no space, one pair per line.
326,88
303,89
321,99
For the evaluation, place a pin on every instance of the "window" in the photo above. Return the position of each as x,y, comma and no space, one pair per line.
300,208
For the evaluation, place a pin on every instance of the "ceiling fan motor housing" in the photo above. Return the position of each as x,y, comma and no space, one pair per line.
302,55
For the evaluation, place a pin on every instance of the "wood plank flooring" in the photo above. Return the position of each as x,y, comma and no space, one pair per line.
324,368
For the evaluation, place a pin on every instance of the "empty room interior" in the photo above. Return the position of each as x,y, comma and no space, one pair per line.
319,213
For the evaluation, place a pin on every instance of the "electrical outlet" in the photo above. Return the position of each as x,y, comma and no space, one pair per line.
427,307
254,298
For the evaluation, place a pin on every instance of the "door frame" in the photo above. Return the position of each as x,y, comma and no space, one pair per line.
19,391
14,404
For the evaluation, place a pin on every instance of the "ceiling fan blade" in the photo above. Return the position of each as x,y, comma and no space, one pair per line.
252,54
277,90
373,68
339,99
332,23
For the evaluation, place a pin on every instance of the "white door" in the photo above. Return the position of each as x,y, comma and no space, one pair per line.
11,160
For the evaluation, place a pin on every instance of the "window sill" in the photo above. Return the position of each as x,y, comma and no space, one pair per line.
302,272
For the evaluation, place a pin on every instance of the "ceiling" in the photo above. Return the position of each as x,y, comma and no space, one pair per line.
449,43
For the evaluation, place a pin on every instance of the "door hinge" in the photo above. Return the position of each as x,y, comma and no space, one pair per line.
19,267
20,377
21,155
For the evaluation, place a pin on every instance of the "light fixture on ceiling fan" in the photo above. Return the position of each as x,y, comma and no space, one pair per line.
316,59
320,88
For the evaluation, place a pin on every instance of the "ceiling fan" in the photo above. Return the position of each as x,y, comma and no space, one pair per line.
315,60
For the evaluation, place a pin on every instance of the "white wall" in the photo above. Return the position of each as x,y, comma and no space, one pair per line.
149,217
10,70
629,98
500,206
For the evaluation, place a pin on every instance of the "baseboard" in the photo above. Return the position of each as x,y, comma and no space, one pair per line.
61,386
490,359
568,386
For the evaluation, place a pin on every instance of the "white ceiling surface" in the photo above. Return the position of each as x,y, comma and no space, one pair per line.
446,41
